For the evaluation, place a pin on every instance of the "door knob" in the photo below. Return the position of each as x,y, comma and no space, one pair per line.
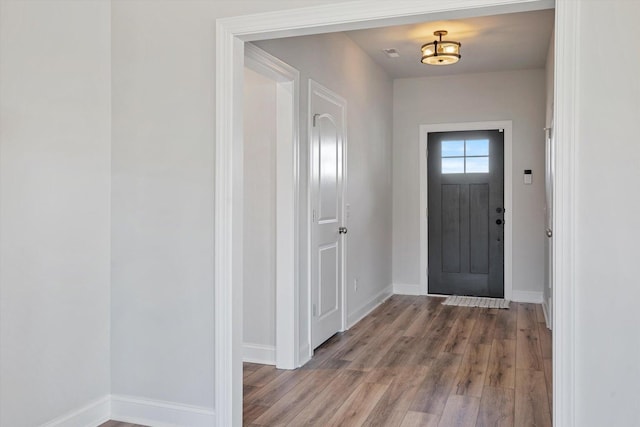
549,233
342,230
499,221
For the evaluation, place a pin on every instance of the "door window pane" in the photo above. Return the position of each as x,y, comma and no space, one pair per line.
466,156
477,147
477,165
452,148
453,165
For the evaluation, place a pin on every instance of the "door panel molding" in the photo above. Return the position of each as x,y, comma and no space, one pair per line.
425,129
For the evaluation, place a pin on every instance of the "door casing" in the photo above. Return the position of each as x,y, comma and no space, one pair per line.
425,129
287,78
232,32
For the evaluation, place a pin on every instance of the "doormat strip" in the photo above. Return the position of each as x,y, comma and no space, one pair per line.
476,302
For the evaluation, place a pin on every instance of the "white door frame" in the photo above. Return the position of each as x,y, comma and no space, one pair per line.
507,125
287,81
317,88
231,33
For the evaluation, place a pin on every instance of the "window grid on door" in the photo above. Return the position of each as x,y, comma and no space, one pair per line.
465,156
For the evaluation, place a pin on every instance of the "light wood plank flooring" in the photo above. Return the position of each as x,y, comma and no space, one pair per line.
415,362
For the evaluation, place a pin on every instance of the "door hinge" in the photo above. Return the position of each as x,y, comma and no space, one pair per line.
313,216
315,116
314,310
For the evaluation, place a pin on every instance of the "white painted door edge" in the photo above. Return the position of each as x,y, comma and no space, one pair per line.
230,34
425,129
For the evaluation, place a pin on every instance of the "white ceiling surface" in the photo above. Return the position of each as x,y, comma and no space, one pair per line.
514,41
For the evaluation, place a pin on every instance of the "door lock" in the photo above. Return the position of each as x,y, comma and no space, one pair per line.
342,230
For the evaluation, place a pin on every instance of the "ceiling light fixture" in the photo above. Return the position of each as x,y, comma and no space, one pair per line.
440,52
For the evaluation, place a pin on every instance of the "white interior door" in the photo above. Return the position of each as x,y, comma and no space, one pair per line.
327,137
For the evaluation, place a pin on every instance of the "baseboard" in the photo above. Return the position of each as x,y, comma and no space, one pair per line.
545,311
406,289
159,413
258,353
305,355
369,306
92,414
527,297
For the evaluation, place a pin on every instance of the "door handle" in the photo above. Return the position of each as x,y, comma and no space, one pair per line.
342,230
549,233
499,221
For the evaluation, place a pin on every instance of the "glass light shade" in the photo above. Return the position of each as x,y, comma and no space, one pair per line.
441,53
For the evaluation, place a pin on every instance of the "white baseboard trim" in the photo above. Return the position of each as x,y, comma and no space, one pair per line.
369,306
259,353
159,413
406,289
545,311
527,297
92,414
305,354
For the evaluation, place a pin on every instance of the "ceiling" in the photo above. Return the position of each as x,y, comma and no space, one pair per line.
514,41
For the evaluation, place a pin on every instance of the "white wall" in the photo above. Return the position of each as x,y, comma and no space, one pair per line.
163,62
607,221
55,109
336,62
162,159
259,227
513,95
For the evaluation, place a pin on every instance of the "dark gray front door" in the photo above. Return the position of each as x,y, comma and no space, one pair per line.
466,213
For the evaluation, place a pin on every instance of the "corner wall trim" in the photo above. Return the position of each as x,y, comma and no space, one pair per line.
258,353
531,297
92,414
368,307
407,289
159,413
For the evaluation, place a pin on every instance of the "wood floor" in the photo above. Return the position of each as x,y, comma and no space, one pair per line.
415,362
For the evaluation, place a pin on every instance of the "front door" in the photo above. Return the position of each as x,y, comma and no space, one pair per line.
466,213
327,112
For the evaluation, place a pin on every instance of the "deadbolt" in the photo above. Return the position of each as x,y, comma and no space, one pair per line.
499,221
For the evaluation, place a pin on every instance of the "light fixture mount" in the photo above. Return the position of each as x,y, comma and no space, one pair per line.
441,52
